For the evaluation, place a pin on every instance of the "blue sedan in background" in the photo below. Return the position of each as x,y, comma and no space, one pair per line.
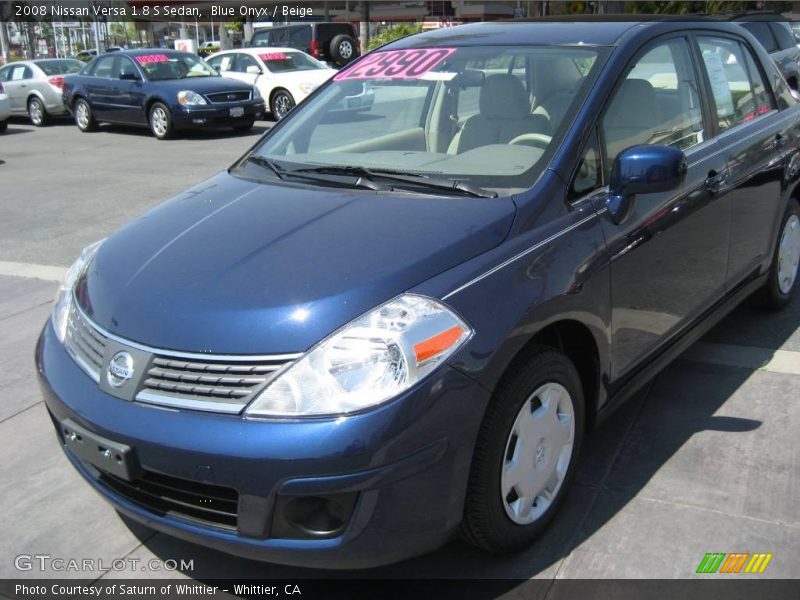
377,330
161,89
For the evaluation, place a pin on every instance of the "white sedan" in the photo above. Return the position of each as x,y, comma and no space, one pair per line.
284,76
5,109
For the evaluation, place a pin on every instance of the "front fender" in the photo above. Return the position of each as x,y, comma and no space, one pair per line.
552,273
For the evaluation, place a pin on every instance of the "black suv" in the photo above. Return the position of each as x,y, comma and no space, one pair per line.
336,43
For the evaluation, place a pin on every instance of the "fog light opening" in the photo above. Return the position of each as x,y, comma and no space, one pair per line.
307,517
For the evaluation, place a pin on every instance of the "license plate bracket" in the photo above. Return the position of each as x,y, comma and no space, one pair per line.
109,456
237,111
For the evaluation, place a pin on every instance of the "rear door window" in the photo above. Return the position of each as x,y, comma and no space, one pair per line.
104,66
737,86
18,73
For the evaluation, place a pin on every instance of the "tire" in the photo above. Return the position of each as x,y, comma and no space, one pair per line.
343,50
3,125
548,442
84,118
783,274
37,112
160,121
244,126
281,103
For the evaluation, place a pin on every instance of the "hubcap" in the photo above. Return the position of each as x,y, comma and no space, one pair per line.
35,113
282,104
345,49
537,453
789,254
159,121
82,114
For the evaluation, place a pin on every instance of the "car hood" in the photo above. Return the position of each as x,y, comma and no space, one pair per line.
234,266
294,78
202,85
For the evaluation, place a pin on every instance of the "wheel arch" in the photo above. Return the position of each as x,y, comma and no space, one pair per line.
35,94
578,343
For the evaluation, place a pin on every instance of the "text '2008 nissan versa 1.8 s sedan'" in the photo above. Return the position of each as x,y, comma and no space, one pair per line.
379,329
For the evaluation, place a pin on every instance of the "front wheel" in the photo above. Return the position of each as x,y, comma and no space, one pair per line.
84,118
161,121
37,112
525,454
3,125
281,103
782,281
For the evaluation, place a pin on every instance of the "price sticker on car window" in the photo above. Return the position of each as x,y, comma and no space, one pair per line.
274,56
146,59
396,64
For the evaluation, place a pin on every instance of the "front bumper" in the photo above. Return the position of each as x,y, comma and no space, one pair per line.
216,115
405,464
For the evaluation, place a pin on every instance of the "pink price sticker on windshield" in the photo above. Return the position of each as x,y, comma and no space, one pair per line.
274,56
146,59
396,64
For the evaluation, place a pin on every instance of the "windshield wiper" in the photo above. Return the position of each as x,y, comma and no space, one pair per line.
440,183
283,173
268,164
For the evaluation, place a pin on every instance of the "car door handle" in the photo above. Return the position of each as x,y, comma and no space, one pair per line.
715,180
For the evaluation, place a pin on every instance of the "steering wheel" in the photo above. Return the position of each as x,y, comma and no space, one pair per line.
539,140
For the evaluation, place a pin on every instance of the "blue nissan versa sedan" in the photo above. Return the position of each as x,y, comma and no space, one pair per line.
378,329
160,89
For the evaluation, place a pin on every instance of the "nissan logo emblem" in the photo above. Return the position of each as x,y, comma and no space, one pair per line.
120,369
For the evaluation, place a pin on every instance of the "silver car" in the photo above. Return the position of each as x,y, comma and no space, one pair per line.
34,86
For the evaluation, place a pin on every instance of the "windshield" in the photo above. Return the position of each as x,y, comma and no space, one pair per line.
279,62
488,116
60,67
159,67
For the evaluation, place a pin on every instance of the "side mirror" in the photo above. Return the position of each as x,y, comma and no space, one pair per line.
128,76
253,70
645,169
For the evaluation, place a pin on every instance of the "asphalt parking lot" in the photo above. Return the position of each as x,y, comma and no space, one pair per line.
706,459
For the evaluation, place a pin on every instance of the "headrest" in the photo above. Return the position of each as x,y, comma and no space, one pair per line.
634,105
504,97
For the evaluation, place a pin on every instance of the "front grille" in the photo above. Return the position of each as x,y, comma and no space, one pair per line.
85,343
165,495
206,385
222,97
216,383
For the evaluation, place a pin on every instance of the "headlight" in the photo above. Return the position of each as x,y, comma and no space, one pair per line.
190,98
307,88
63,302
256,93
373,359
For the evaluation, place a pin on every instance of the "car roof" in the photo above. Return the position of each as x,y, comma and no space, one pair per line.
261,50
601,30
141,51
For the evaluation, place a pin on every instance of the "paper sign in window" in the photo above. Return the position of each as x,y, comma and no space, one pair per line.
720,86
146,59
396,64
274,56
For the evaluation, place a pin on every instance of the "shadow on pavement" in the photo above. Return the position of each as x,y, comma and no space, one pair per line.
617,461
